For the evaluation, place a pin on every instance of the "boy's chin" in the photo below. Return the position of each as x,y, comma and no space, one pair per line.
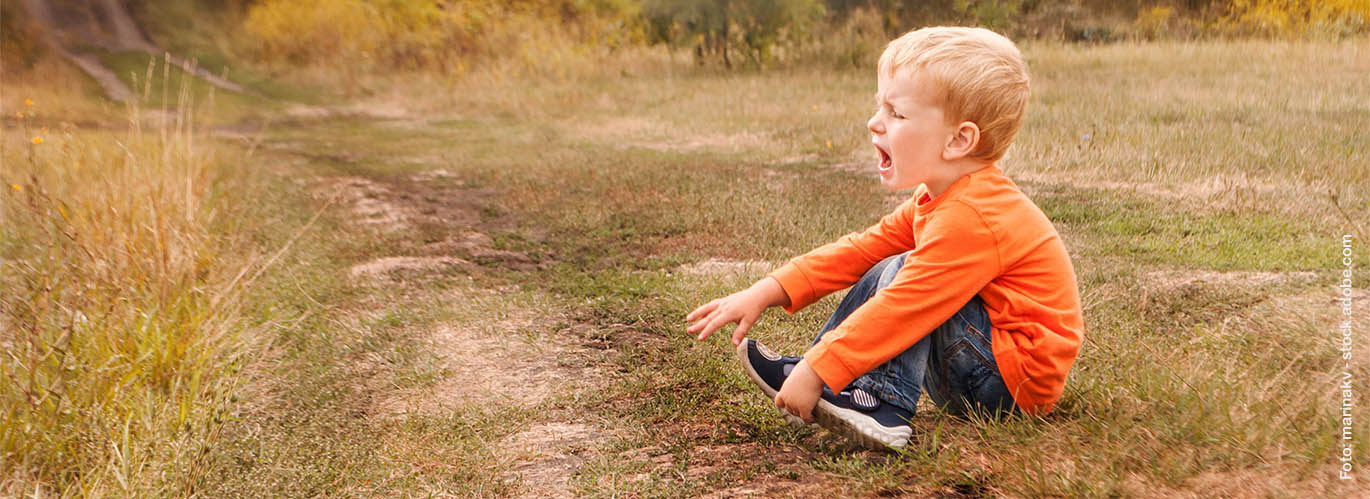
891,184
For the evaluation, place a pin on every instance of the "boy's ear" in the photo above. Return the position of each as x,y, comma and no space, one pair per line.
962,142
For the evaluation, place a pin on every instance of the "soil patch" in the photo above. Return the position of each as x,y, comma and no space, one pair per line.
510,356
434,202
370,203
656,135
409,265
548,454
770,471
308,112
724,267
1172,280
1250,483
1219,185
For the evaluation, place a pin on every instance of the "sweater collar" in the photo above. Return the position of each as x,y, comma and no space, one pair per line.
926,203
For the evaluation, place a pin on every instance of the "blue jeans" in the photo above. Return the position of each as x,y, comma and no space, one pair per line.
954,363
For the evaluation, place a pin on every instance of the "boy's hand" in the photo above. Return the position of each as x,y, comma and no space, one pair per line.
743,307
800,392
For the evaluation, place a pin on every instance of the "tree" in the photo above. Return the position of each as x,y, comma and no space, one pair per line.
713,26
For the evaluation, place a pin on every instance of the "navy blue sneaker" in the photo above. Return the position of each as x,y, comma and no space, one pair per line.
854,413
864,418
768,370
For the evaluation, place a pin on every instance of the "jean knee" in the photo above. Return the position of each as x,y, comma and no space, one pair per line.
888,268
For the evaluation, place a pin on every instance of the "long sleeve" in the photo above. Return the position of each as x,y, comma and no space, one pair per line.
956,259
841,263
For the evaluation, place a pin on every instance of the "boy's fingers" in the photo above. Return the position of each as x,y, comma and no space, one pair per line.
703,335
780,402
703,322
694,328
705,309
711,326
742,327
702,310
701,328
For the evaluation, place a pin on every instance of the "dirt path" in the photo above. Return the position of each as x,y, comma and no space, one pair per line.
501,352
516,353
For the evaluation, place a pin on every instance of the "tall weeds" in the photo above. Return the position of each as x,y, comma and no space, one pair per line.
119,303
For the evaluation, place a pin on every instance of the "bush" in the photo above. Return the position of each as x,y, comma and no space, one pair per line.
854,40
1154,22
450,36
443,36
1294,18
714,28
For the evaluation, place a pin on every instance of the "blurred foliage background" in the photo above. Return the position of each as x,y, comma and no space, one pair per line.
451,35
455,36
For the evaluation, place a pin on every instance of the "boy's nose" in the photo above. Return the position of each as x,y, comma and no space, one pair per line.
875,125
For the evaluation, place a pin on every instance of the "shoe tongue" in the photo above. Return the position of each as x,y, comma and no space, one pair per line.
863,400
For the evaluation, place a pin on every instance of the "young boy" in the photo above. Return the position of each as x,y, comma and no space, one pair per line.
965,291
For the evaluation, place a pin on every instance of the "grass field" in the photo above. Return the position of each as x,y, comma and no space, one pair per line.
492,298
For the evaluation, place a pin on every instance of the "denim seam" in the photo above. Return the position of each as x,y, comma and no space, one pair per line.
976,351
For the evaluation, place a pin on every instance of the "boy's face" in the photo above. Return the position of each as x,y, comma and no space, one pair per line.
910,132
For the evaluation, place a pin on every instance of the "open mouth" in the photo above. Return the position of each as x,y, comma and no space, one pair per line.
886,162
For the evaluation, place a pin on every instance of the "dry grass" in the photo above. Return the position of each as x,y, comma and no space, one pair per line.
121,295
60,92
1186,113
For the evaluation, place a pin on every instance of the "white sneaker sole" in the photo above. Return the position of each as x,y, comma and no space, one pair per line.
860,427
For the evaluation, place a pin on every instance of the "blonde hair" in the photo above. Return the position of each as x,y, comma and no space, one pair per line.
980,74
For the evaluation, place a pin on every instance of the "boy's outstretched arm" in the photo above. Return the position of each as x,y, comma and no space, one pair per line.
743,307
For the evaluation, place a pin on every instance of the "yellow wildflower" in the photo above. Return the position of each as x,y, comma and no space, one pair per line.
16,187
829,144
28,102
19,114
37,140
815,107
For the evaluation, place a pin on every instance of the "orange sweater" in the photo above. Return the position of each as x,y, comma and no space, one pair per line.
982,236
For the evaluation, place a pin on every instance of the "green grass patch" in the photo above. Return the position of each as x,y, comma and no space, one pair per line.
1160,232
